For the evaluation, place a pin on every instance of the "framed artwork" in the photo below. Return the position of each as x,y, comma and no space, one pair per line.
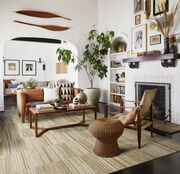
28,67
11,67
138,5
155,40
159,5
139,39
138,19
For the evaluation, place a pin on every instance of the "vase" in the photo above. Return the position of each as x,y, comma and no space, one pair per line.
166,45
82,98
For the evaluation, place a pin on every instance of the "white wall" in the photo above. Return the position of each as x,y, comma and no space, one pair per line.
114,15
20,50
82,12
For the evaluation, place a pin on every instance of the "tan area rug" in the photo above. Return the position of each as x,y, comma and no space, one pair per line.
69,150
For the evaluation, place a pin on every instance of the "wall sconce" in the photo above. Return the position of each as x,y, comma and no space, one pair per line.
44,65
61,68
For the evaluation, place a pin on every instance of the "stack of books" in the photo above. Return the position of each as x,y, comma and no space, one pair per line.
44,107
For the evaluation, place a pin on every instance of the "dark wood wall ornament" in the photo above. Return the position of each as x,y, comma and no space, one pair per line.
40,14
48,27
38,39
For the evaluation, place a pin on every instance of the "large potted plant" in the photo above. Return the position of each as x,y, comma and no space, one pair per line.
92,61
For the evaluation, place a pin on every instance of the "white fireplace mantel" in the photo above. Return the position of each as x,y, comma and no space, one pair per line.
153,72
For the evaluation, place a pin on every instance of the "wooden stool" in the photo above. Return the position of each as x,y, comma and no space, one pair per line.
107,131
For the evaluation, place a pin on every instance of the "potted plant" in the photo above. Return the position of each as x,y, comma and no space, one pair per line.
31,83
92,61
122,77
58,102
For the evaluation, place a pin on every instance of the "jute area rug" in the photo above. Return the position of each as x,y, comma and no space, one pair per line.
70,150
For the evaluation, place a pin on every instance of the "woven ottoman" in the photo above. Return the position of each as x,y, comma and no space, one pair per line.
107,131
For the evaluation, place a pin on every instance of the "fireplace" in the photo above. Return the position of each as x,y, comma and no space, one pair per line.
162,102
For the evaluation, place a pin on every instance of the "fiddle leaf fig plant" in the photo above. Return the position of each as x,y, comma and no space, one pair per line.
93,56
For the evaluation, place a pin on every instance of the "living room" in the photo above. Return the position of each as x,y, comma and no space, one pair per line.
124,18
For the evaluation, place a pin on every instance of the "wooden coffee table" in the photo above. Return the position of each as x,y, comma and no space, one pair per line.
39,131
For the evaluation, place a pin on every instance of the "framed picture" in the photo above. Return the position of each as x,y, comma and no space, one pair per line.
11,67
159,5
138,5
138,19
28,67
155,40
139,39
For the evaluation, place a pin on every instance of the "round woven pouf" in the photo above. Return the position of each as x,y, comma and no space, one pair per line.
107,131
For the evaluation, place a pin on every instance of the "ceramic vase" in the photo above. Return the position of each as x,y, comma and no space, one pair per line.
82,97
166,45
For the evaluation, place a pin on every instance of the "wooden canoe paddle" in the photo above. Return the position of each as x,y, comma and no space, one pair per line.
48,27
40,14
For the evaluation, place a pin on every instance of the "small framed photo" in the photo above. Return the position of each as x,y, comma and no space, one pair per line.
155,40
138,19
139,38
159,6
138,5
11,67
28,67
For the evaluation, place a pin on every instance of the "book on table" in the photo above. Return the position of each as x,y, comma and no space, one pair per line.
44,107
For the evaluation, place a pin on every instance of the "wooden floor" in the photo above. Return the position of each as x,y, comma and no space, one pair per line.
164,165
70,150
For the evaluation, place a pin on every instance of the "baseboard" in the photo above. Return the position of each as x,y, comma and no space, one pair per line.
1,107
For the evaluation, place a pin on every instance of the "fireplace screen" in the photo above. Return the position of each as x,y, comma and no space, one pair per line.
162,102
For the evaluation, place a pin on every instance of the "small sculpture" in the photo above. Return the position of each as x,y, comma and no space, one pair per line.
75,101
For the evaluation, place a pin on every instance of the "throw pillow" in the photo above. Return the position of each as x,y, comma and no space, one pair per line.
14,82
130,117
13,85
66,91
50,94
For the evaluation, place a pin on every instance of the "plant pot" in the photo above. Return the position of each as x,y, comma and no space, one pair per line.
93,95
57,104
82,98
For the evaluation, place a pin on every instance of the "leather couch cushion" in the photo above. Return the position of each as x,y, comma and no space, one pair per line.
34,94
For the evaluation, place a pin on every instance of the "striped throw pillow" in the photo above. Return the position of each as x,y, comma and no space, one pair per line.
66,91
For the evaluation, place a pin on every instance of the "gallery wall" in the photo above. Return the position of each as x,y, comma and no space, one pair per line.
119,15
83,15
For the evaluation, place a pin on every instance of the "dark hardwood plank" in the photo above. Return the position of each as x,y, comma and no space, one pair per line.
168,164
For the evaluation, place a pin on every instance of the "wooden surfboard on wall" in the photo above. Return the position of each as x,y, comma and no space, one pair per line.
48,27
39,14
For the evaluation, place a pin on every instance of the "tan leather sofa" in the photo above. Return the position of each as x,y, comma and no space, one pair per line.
26,98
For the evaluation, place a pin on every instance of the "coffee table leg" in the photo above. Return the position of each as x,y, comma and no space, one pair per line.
30,119
83,116
36,125
95,113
